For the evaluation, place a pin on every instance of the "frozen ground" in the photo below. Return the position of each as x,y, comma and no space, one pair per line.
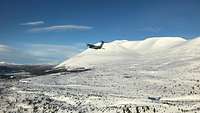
152,76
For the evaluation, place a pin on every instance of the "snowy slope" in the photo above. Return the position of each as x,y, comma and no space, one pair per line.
190,48
127,73
123,49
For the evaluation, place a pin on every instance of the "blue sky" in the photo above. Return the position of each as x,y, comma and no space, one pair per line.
49,31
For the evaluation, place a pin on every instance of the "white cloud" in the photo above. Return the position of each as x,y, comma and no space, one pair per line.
4,48
38,53
49,53
48,50
61,28
32,23
14,55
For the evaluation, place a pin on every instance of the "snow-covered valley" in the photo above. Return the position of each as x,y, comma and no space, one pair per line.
156,75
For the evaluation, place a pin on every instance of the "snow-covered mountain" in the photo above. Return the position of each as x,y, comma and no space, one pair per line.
160,73
123,49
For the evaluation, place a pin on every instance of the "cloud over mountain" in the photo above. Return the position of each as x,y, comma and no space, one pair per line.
37,53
